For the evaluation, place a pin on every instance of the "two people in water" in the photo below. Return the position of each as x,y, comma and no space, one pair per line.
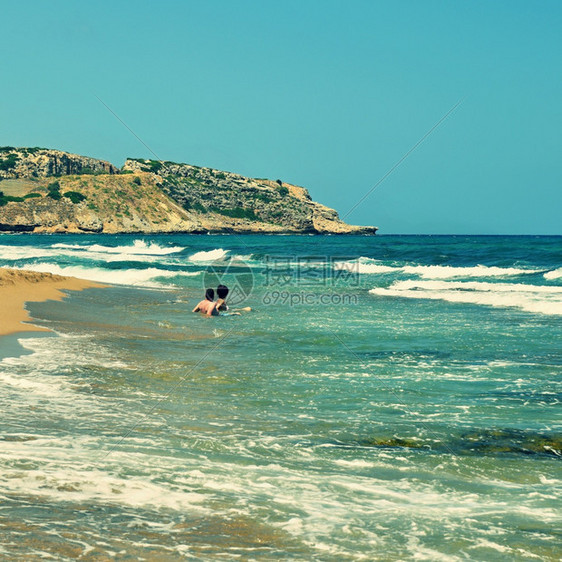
209,307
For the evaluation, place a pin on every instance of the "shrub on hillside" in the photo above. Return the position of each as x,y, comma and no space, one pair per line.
5,199
9,162
53,191
154,166
74,196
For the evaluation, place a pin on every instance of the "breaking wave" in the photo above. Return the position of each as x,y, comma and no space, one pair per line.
555,274
133,277
365,265
139,247
24,252
530,298
447,272
371,266
209,256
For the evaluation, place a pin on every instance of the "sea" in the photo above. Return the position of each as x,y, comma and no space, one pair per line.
386,398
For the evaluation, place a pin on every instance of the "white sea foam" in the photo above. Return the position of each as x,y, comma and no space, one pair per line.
555,274
77,482
45,378
42,387
480,286
447,272
139,247
23,252
209,256
365,265
372,266
531,298
138,251
135,277
55,355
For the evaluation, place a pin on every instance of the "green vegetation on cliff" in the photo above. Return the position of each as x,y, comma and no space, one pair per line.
8,163
206,190
5,199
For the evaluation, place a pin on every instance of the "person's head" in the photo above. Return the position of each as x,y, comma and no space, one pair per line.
222,291
210,294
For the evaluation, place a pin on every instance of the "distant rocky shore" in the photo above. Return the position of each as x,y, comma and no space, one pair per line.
45,190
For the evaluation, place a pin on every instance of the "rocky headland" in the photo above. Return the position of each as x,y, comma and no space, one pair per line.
45,190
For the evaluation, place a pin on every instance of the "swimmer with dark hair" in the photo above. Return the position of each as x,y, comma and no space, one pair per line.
207,306
222,293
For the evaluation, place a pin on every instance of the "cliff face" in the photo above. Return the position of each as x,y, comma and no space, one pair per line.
90,195
226,201
111,204
44,162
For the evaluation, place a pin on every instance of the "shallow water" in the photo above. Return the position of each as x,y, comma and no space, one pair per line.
388,398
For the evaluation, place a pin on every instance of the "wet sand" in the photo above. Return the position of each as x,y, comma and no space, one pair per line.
18,287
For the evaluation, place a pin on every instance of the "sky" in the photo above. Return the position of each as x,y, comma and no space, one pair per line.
326,94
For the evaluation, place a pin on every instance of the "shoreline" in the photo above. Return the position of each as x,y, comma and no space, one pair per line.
19,287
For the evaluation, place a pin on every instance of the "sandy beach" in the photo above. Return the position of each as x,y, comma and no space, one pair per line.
18,287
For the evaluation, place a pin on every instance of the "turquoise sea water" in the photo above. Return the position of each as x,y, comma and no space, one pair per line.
388,398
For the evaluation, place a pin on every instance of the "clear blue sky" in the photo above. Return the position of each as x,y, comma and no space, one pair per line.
325,94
